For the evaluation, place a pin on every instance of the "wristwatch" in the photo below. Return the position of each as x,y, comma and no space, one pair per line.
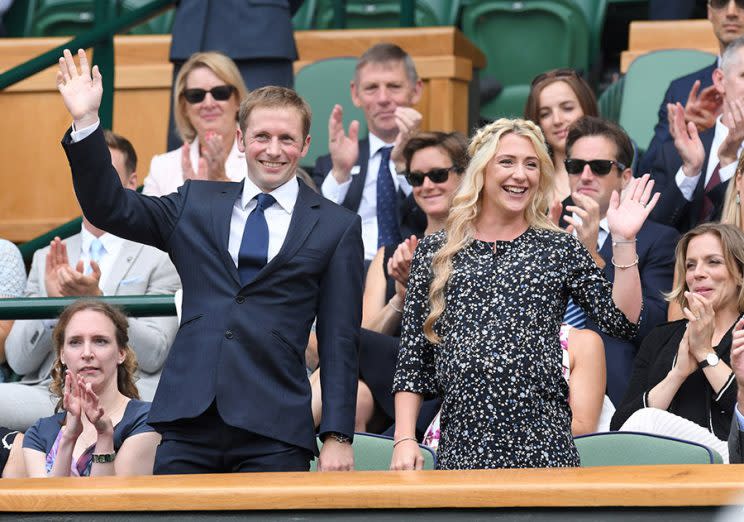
338,437
711,359
103,458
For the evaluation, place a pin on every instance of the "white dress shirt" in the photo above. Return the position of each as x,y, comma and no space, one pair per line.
336,192
604,230
687,184
112,245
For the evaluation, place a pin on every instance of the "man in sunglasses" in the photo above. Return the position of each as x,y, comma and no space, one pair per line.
365,175
599,154
692,172
695,91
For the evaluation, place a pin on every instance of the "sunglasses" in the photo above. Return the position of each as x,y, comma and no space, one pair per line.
219,93
555,73
598,167
722,4
416,179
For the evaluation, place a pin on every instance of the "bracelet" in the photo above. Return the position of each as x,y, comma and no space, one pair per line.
405,439
624,242
623,267
399,310
103,458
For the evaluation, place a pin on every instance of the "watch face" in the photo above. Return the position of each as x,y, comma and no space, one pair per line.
712,359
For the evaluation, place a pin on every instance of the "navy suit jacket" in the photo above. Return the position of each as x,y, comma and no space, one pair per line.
678,91
672,208
655,247
410,216
243,346
241,29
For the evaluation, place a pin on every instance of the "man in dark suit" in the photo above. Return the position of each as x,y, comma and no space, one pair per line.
259,261
736,436
366,176
702,103
257,35
692,171
599,154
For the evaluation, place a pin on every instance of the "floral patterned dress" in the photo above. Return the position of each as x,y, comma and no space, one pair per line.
498,367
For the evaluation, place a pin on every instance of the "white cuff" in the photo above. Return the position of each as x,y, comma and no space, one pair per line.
81,134
686,184
334,190
727,172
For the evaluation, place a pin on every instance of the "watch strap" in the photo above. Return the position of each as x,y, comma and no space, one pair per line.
103,458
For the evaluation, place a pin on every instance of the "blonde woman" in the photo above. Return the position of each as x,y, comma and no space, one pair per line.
484,306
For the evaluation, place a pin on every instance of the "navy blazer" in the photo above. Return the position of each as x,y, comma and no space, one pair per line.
672,208
655,247
410,216
243,346
241,29
678,91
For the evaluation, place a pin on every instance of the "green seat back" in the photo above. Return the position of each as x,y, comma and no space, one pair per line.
595,12
63,17
161,24
625,448
646,82
611,100
304,18
323,84
19,18
373,453
364,14
558,37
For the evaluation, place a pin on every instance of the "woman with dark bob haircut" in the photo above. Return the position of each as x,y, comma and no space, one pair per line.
100,426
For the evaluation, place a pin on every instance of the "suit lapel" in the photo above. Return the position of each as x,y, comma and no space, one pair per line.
127,254
354,196
222,205
304,218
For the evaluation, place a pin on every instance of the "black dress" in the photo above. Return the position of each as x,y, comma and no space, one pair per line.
498,366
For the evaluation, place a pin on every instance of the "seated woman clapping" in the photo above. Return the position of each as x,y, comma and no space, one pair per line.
100,428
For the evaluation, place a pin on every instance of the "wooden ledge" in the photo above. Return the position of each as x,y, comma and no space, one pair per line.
647,486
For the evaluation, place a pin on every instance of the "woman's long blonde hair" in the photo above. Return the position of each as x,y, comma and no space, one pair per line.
466,206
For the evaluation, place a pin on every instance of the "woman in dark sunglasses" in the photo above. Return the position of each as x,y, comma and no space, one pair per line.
435,162
207,95
557,98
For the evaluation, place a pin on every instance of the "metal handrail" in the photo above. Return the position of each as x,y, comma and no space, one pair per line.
51,307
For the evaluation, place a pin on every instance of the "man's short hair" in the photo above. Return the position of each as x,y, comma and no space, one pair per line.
274,97
594,126
730,54
123,145
386,53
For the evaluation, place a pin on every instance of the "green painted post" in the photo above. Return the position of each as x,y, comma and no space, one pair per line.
407,13
339,14
103,56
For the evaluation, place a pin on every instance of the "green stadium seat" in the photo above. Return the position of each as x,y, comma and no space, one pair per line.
160,24
558,37
312,83
18,19
611,99
304,18
365,14
646,82
626,448
373,453
595,12
63,17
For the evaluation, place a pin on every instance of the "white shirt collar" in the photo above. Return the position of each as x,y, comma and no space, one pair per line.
110,241
285,195
375,144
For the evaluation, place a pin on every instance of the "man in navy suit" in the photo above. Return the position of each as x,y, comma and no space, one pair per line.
692,172
598,162
256,34
702,102
366,176
259,261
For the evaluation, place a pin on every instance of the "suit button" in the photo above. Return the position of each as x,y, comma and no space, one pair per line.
228,334
240,299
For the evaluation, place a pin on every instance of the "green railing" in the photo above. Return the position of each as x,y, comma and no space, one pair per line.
50,307
102,41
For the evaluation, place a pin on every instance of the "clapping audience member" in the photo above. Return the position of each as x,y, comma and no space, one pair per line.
736,439
682,368
693,170
598,160
89,263
558,98
12,282
434,163
702,101
100,426
484,304
366,175
207,94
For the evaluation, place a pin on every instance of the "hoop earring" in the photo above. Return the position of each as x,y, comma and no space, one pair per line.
738,199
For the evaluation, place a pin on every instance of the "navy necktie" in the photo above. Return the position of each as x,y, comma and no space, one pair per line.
388,231
255,245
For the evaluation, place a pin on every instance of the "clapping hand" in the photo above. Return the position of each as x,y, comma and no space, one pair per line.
685,363
686,140
626,217
408,121
399,264
701,324
344,148
587,227
72,404
734,120
81,90
737,354
703,109
93,409
211,163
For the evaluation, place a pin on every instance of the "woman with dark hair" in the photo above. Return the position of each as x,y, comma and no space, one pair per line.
558,98
100,428
682,370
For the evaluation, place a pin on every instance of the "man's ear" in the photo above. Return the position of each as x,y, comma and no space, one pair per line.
354,94
418,90
626,175
718,81
132,181
241,145
305,146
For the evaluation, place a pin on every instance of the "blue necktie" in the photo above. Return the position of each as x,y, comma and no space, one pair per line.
255,245
388,231
96,252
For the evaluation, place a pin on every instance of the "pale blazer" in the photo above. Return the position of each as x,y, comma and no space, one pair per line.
166,174
138,270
